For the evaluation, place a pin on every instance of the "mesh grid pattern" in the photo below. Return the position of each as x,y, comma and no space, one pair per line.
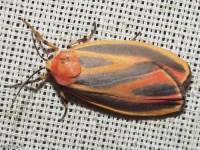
33,121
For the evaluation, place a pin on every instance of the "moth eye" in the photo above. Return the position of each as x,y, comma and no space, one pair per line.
50,57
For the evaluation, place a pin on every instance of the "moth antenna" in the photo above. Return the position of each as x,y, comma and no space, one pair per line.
13,86
22,85
34,43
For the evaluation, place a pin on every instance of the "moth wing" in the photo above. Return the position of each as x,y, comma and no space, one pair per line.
145,89
131,78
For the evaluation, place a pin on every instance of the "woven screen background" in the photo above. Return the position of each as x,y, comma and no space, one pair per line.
33,121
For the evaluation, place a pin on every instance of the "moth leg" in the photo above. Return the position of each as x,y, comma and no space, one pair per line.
84,39
39,36
35,89
28,82
47,50
65,104
136,35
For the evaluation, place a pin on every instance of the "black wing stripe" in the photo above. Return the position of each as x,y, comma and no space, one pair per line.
132,50
128,105
156,90
103,80
90,62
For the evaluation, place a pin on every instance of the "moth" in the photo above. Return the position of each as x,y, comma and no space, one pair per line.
126,77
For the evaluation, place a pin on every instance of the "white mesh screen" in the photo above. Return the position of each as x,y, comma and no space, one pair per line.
33,121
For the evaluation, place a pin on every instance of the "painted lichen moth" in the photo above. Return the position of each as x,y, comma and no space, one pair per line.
126,77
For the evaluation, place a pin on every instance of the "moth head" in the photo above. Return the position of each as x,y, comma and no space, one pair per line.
64,67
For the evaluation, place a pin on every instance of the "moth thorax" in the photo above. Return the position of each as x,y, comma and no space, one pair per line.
65,67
